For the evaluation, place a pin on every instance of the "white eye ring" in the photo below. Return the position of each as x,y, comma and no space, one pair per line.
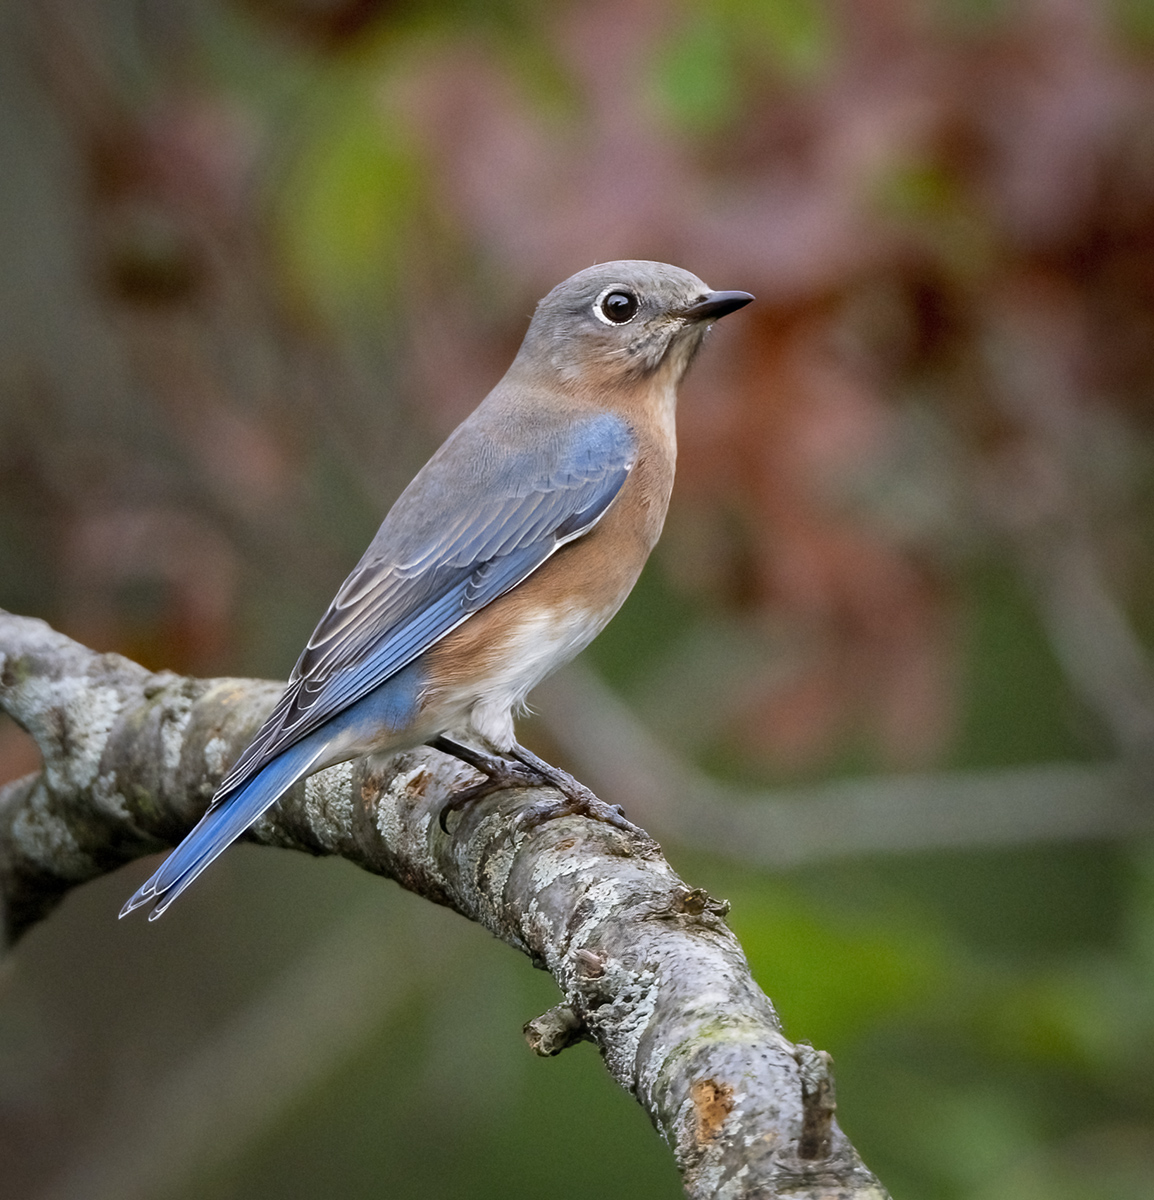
599,305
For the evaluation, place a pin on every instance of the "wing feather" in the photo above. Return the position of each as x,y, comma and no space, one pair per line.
426,572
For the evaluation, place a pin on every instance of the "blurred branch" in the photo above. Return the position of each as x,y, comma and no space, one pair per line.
1038,496
242,1080
647,967
887,814
1103,659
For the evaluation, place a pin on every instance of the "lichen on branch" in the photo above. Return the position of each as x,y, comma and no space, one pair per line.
646,965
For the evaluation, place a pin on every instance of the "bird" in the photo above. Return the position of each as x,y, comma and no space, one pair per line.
503,558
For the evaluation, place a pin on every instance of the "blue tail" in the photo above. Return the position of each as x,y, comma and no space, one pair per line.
224,822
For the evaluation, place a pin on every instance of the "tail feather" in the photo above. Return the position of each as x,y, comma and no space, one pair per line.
224,822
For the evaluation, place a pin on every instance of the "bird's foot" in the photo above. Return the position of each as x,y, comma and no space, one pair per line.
527,770
578,799
499,774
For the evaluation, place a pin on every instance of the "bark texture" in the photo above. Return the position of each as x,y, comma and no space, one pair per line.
647,967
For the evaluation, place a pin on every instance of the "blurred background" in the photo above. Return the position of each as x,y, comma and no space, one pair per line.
885,684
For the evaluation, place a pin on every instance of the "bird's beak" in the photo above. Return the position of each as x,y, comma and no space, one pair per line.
713,305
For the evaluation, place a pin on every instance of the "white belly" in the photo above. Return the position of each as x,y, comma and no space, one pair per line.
539,646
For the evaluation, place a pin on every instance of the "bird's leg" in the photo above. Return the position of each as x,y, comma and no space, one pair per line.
500,773
579,800
529,771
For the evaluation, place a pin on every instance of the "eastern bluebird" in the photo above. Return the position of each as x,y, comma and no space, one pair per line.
504,557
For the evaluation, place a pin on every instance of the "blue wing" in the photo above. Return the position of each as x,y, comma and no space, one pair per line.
483,514
479,518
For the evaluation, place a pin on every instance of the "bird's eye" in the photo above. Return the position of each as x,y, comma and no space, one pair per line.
619,307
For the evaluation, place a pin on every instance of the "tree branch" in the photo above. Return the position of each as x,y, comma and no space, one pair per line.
646,965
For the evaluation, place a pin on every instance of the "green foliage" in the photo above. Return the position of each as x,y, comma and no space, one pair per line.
1018,707
1135,20
349,204
834,975
693,75
700,73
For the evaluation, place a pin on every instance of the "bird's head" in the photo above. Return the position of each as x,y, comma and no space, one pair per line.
620,323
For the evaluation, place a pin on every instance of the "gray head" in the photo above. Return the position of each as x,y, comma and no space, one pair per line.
621,322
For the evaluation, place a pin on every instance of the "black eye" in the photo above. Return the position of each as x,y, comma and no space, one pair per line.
619,307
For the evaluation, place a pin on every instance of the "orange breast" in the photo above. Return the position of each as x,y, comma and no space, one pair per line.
590,578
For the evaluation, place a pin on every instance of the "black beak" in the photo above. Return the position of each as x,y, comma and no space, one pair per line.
713,305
